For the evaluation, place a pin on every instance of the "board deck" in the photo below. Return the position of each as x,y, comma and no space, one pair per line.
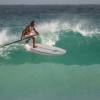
45,49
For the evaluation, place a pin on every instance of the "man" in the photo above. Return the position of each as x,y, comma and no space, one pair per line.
30,31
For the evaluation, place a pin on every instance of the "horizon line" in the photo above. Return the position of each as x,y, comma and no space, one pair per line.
52,4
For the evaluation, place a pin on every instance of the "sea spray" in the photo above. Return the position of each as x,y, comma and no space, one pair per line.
6,37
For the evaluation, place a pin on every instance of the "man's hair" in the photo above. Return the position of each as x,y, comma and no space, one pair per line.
32,23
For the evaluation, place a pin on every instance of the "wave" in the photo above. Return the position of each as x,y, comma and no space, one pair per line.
51,32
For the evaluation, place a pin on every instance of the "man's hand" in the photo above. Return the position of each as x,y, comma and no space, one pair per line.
37,33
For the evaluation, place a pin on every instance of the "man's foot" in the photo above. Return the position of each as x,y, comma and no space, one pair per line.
34,46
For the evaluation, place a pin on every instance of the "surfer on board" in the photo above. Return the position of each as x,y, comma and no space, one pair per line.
31,32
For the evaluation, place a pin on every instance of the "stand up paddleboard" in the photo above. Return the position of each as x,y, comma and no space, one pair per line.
45,49
40,49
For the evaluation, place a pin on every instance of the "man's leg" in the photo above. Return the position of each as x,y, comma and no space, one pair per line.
34,42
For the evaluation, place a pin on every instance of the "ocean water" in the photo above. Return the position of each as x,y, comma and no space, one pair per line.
73,76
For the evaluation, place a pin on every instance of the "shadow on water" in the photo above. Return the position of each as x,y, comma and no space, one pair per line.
80,51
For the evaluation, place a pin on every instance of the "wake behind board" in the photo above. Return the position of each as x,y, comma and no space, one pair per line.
45,49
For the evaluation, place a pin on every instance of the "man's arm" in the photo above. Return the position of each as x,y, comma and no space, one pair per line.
36,31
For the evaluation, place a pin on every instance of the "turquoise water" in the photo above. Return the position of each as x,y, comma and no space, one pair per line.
73,76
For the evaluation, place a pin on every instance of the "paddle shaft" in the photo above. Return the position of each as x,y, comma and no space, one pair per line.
16,41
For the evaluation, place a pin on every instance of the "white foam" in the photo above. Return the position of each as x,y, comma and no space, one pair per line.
49,32
5,37
83,27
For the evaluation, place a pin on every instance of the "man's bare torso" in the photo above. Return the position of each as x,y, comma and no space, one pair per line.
28,30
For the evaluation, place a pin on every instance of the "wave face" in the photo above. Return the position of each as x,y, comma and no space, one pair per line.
73,76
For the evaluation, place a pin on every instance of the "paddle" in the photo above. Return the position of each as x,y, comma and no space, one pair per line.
15,41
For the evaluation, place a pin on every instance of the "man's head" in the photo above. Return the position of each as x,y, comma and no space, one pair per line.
32,23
